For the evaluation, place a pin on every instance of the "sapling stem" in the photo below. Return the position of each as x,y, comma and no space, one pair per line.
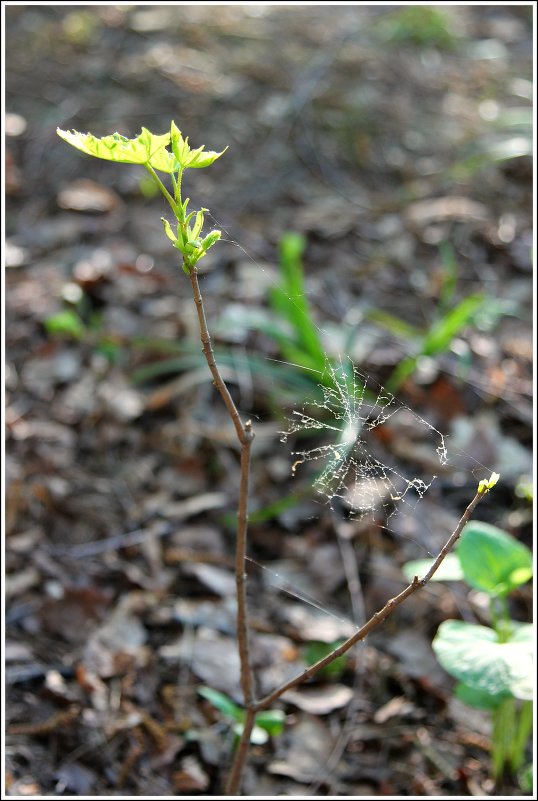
162,187
245,435
241,754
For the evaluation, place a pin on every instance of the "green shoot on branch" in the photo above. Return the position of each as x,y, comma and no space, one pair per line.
150,151
488,483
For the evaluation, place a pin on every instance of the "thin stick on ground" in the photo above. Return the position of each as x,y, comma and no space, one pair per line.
378,617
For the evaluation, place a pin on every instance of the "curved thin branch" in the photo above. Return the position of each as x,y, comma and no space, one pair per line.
377,617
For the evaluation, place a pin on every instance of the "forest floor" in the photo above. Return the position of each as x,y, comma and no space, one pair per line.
399,148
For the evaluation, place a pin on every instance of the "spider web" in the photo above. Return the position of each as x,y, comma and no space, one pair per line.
355,472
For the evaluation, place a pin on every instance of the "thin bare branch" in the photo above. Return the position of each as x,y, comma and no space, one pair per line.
376,618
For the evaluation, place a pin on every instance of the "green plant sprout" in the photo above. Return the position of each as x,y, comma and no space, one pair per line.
493,665
450,318
267,724
150,151
419,26
68,324
301,344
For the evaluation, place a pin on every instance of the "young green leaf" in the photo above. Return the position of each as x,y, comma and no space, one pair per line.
65,323
474,656
492,560
210,240
488,483
198,225
186,157
443,331
146,148
303,345
437,339
168,230
224,704
272,721
479,699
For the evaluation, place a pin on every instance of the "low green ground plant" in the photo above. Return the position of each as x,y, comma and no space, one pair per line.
493,664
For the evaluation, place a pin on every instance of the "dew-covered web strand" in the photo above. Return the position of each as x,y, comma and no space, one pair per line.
349,459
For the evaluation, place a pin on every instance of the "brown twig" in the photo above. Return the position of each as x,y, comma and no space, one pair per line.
377,617
241,753
43,727
372,623
245,435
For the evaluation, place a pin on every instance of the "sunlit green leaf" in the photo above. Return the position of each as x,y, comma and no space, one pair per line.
168,230
492,560
210,240
272,720
146,148
443,332
221,702
198,225
65,323
474,656
186,157
485,484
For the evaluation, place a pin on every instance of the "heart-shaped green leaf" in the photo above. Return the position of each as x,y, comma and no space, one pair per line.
479,699
474,656
492,560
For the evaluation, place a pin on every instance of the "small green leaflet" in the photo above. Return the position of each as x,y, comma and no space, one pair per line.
186,157
268,722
